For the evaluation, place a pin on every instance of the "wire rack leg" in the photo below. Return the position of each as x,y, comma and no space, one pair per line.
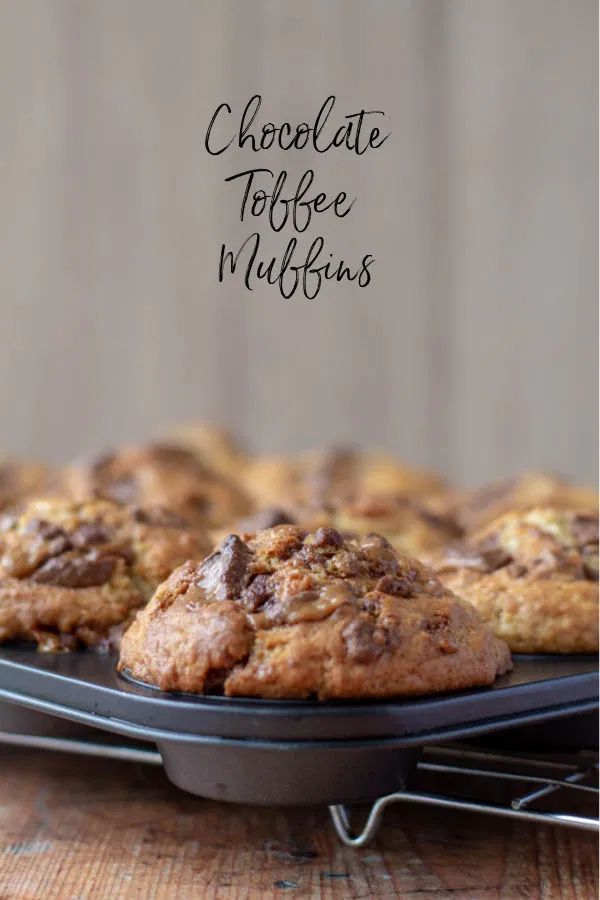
342,824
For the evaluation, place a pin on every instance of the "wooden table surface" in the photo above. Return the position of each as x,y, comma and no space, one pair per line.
75,827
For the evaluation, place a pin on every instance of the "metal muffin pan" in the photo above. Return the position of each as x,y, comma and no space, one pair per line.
22,720
286,752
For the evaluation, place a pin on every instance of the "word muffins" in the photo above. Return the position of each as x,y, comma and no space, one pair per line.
70,572
286,613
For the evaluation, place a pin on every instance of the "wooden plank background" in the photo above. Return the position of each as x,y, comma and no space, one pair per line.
473,350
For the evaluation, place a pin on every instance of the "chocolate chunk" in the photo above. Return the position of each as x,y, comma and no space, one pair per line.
328,538
374,541
363,641
344,564
88,534
396,585
438,626
76,571
158,517
480,559
257,593
379,565
222,573
585,529
437,622
496,558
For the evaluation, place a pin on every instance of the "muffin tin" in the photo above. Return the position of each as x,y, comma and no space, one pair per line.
280,752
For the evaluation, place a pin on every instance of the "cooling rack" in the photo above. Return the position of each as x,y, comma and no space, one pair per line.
530,788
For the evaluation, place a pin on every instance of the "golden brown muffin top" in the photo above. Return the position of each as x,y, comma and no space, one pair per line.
538,542
161,474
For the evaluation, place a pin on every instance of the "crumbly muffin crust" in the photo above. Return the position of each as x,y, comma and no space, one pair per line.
161,474
288,614
532,575
70,572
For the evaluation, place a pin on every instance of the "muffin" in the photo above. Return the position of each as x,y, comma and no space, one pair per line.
476,508
214,446
533,578
284,613
319,479
163,475
72,572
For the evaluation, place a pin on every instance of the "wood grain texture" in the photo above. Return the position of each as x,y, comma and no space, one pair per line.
473,350
78,829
